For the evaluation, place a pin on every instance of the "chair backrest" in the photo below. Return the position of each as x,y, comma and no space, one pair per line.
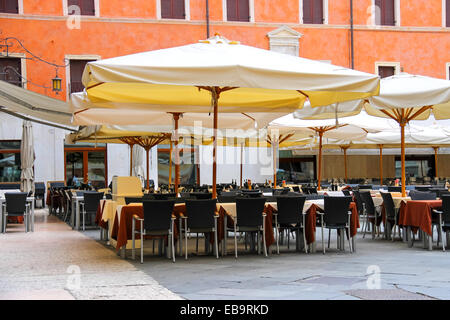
200,195
365,187
252,193
129,200
163,196
422,195
39,189
92,200
368,202
423,188
16,202
394,189
227,198
359,201
346,193
446,209
290,209
249,211
314,196
296,188
157,214
389,206
200,213
108,196
336,210
439,191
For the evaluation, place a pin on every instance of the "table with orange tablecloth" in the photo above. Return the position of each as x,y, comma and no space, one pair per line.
417,214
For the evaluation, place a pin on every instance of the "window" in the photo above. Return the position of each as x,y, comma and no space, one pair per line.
76,72
11,70
238,10
422,168
87,162
447,13
9,6
385,12
189,171
173,9
313,11
87,7
10,161
384,71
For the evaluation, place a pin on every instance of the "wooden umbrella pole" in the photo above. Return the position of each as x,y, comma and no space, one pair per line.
345,162
402,128
319,174
170,163
148,168
176,117
381,164
215,97
242,159
274,150
131,159
436,149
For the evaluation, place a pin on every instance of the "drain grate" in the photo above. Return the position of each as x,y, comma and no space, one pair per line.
387,294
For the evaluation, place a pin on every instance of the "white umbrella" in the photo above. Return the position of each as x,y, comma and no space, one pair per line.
138,158
243,78
27,158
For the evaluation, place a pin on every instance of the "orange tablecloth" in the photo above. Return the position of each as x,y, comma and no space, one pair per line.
311,218
98,216
417,214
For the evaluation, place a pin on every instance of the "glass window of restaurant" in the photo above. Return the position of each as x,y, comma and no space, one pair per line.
418,168
189,170
10,161
296,168
88,162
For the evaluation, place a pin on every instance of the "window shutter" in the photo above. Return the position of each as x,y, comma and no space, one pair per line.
243,10
447,9
87,8
9,6
318,11
378,12
389,12
76,73
386,71
166,9
232,10
73,3
308,11
178,9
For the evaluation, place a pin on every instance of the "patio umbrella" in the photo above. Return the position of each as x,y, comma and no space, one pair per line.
27,158
244,79
137,158
321,128
406,97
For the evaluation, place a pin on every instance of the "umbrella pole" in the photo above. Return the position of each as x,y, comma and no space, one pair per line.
176,117
148,168
319,175
381,164
242,156
402,128
345,162
436,149
131,159
170,163
215,98
274,150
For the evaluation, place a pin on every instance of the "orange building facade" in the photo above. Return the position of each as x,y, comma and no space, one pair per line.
417,41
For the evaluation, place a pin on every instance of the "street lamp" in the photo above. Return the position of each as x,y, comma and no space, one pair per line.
56,83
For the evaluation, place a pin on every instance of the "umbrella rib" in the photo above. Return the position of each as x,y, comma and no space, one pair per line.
419,112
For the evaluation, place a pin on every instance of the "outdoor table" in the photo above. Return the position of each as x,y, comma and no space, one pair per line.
105,215
416,215
30,200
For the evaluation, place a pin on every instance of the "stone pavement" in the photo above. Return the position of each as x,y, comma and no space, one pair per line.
56,262
379,269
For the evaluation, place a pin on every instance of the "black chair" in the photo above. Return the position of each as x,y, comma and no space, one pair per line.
252,193
337,216
157,221
365,187
129,200
443,221
290,217
90,204
108,196
200,195
250,218
39,193
391,212
296,189
15,206
422,188
346,193
370,212
162,196
394,189
359,202
226,198
201,218
422,195
439,191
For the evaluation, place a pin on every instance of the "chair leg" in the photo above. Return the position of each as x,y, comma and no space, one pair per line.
196,248
365,226
350,241
278,236
329,237
216,240
323,242
441,233
172,242
84,219
185,242
304,234
142,242
264,238
133,239
235,243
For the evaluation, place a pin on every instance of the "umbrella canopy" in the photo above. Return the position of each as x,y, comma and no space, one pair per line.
244,79
403,98
27,158
137,168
